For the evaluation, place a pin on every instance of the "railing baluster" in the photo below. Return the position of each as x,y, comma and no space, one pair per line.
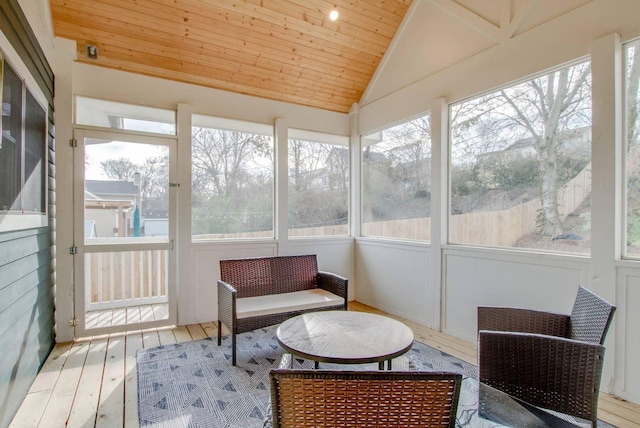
159,258
111,278
132,269
149,274
122,276
99,279
140,275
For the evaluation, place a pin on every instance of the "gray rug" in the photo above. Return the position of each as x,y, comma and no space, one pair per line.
193,384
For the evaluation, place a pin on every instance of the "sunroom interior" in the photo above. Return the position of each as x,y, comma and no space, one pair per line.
487,158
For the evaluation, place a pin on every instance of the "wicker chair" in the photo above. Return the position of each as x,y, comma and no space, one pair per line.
327,398
552,361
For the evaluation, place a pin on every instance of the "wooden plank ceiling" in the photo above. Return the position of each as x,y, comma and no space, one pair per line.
286,50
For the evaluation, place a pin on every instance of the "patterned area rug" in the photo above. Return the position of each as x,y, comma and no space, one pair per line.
193,384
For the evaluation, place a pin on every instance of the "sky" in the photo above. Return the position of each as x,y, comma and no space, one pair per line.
97,151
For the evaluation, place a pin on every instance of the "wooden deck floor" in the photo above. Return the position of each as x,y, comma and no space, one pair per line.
129,315
92,382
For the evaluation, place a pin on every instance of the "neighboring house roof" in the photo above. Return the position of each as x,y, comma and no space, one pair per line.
90,196
106,187
568,136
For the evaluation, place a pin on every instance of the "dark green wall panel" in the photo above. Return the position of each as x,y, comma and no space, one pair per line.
26,256
26,314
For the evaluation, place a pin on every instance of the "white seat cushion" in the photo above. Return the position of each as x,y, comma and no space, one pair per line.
285,302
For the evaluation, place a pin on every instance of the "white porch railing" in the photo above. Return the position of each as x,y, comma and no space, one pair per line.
126,278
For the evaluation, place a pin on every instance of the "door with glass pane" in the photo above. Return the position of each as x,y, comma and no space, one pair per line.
124,231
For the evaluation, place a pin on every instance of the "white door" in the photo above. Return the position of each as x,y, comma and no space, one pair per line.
124,231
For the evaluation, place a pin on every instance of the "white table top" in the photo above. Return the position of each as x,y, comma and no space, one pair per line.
345,337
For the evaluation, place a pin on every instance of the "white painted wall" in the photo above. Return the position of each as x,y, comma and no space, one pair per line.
627,368
115,85
475,277
395,277
565,38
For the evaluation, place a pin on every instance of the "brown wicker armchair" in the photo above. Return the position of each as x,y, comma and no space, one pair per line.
553,361
326,398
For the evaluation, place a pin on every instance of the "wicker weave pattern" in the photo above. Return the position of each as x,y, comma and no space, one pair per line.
312,398
545,367
590,317
332,283
557,374
270,275
522,320
261,276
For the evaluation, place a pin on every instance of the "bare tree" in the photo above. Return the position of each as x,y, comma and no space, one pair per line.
411,154
222,156
154,176
396,170
232,181
121,169
633,96
318,183
307,162
546,107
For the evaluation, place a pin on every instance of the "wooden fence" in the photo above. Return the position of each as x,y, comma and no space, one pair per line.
501,228
126,278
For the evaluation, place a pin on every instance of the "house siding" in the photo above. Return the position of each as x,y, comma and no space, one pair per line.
27,268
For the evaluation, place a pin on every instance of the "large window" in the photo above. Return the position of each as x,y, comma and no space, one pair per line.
318,184
22,150
396,187
520,165
232,179
632,158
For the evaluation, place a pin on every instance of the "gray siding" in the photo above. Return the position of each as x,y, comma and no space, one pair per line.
26,313
27,273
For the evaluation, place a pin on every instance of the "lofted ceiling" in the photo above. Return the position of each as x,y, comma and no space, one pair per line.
286,50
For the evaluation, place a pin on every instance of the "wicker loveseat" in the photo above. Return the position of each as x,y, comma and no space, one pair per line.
262,291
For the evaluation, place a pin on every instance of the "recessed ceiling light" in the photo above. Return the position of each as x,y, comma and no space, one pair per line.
334,15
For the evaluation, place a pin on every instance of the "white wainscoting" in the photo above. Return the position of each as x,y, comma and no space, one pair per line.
474,277
397,277
627,331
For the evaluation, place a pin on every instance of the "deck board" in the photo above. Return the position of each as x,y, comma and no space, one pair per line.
111,404
94,380
133,343
127,315
85,404
197,332
58,408
150,338
166,336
